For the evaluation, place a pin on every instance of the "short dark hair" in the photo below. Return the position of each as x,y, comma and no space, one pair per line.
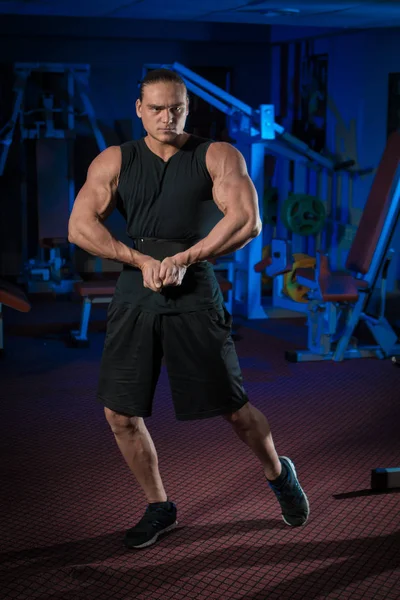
160,76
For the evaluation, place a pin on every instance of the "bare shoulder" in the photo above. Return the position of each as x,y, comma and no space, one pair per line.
106,166
222,158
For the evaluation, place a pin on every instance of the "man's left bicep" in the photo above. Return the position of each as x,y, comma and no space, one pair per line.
241,198
233,190
249,194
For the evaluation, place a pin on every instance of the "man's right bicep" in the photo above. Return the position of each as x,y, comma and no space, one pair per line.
91,202
97,198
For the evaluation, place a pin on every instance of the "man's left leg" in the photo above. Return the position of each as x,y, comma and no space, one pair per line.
253,429
206,381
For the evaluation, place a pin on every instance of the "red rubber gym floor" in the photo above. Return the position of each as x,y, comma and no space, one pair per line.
67,496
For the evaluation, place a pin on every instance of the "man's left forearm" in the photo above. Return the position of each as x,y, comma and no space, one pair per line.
226,237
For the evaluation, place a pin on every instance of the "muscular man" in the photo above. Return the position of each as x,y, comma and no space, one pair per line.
167,301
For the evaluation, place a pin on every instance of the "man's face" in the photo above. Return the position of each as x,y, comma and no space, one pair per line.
163,110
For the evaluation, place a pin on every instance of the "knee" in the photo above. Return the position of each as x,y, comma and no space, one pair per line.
122,424
242,418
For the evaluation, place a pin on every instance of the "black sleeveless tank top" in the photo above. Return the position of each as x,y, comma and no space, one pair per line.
168,200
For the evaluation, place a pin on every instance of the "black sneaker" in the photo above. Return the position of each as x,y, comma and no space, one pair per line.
159,518
294,503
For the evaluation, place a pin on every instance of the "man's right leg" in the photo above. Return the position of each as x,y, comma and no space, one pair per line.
139,452
130,368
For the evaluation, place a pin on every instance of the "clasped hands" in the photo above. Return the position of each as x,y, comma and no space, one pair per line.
159,274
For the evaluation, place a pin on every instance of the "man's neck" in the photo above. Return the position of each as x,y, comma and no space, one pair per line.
165,150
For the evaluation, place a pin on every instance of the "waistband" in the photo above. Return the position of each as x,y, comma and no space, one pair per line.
161,248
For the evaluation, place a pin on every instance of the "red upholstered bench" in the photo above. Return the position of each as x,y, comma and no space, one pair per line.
96,289
14,297
91,292
224,284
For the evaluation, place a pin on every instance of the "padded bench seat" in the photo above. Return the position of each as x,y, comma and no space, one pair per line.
91,289
334,287
14,297
224,284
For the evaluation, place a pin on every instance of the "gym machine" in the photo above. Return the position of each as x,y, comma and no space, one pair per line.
338,302
49,99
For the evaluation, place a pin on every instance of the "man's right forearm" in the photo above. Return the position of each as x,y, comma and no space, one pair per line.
93,237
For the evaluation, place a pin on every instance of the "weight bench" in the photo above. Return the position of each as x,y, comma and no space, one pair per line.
338,302
91,292
101,292
14,297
